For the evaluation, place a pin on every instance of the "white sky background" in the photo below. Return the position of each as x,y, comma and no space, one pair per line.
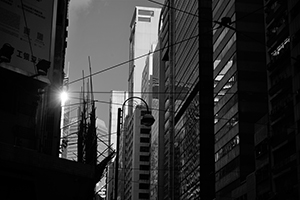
99,29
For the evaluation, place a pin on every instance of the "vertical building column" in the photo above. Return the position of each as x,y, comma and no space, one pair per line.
206,102
172,101
161,141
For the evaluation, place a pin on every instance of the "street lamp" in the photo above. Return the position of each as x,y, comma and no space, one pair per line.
147,120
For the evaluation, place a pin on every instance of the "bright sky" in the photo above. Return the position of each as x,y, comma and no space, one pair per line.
99,29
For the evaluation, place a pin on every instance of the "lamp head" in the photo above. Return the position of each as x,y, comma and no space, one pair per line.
6,52
147,120
42,67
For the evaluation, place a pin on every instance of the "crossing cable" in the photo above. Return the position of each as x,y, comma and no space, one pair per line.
144,55
177,9
131,60
157,109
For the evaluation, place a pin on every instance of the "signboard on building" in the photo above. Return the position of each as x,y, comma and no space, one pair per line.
26,26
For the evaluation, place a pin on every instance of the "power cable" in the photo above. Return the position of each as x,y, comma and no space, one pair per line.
157,109
251,170
136,58
164,5
182,92
131,60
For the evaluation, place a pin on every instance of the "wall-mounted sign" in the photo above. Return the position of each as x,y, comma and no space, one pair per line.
26,26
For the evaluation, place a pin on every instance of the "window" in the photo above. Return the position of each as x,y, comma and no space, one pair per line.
145,130
228,85
227,148
144,149
229,168
144,196
144,167
144,19
144,140
144,186
146,12
144,177
144,158
225,50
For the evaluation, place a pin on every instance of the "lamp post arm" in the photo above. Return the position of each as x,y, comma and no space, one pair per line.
136,98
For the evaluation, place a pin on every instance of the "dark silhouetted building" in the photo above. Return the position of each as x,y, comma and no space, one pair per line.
33,42
277,134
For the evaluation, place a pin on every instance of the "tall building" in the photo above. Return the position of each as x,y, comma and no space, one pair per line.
136,157
150,95
277,135
116,101
143,33
186,135
240,96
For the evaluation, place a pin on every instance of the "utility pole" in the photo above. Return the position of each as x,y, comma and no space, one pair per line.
171,159
91,136
82,126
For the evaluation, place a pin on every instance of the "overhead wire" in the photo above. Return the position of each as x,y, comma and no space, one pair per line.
174,8
138,57
130,60
157,109
147,54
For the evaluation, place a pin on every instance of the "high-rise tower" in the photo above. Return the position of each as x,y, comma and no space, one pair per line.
277,135
116,100
186,136
143,33
239,90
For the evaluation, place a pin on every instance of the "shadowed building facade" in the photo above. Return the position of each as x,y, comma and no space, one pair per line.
239,91
186,136
277,133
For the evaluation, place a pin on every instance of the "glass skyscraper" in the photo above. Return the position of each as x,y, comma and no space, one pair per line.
186,165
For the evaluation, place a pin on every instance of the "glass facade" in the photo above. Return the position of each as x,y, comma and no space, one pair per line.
187,153
239,90
181,163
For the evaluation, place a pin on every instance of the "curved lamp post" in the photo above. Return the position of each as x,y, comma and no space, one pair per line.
147,120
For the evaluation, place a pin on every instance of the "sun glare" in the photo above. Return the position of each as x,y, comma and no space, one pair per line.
64,97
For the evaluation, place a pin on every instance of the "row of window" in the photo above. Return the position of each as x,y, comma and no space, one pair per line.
230,167
144,149
144,140
227,86
145,158
187,141
145,167
222,35
225,50
227,125
144,186
147,14
227,148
